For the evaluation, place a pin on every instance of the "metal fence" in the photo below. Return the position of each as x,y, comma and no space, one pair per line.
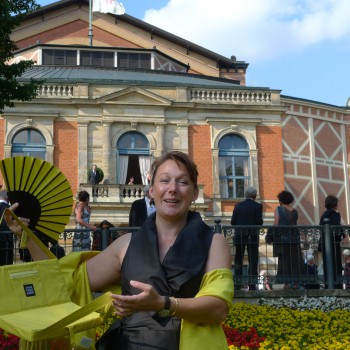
282,256
262,256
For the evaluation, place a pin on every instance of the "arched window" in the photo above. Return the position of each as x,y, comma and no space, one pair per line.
234,166
29,142
134,158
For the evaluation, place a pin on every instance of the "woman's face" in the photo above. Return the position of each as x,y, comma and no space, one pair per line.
172,190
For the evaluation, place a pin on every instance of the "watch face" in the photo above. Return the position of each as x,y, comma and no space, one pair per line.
164,313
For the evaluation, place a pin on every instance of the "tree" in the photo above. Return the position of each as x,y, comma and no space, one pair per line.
11,14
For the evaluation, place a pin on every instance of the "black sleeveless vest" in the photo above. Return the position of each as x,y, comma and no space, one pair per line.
180,275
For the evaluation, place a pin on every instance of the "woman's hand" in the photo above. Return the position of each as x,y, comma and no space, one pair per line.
12,224
147,300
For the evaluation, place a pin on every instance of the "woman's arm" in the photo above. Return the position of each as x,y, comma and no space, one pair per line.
276,217
104,269
208,309
79,211
35,251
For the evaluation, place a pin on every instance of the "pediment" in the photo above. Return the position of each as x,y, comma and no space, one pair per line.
134,95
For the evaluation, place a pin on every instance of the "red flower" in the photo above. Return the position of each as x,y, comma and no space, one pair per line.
8,341
250,339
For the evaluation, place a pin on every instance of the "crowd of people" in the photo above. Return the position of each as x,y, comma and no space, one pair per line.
292,263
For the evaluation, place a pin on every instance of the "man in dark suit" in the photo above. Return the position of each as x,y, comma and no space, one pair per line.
247,212
141,209
6,236
93,175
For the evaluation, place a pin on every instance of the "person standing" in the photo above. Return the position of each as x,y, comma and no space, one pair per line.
82,213
312,272
332,217
131,181
290,258
247,212
6,237
175,272
94,177
141,209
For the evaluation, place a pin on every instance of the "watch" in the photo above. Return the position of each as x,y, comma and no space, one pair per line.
166,308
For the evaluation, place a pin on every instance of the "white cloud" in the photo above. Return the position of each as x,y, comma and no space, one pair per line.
255,30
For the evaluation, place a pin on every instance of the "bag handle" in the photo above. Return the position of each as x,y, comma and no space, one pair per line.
28,233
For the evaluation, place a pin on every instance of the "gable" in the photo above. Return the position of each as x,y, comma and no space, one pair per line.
134,95
74,33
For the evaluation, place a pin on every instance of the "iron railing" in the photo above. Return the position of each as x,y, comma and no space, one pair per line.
324,242
280,250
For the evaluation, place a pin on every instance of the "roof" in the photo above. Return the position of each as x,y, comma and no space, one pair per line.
102,75
222,61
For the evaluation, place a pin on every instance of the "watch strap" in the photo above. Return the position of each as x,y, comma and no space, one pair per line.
166,308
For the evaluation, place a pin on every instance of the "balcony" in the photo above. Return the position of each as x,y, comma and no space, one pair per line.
122,193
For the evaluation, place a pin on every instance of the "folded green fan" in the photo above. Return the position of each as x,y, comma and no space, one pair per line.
42,191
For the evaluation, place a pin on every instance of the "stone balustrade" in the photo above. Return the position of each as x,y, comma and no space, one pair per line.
57,91
122,193
231,96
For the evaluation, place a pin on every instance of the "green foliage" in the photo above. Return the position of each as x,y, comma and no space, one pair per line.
11,14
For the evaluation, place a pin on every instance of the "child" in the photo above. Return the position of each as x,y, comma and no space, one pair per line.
312,271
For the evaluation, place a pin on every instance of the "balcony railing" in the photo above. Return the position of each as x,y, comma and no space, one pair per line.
122,193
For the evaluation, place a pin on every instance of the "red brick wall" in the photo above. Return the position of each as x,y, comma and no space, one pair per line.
77,29
200,151
270,161
66,151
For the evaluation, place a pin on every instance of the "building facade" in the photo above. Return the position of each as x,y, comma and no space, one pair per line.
139,91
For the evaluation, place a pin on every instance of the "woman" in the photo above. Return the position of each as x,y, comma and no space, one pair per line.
131,181
82,213
332,217
290,258
173,270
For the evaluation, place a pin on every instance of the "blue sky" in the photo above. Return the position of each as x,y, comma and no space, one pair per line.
301,47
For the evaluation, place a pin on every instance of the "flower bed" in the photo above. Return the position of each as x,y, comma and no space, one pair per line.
288,328
305,323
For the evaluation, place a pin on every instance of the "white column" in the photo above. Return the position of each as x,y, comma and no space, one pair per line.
106,151
314,183
183,135
346,172
160,139
254,168
216,184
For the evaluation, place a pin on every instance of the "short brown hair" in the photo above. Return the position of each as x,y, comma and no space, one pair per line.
178,157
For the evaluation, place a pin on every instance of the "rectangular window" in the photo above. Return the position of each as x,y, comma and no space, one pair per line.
59,57
234,176
85,58
97,58
134,60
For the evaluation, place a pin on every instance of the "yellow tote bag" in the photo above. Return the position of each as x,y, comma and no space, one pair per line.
35,303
